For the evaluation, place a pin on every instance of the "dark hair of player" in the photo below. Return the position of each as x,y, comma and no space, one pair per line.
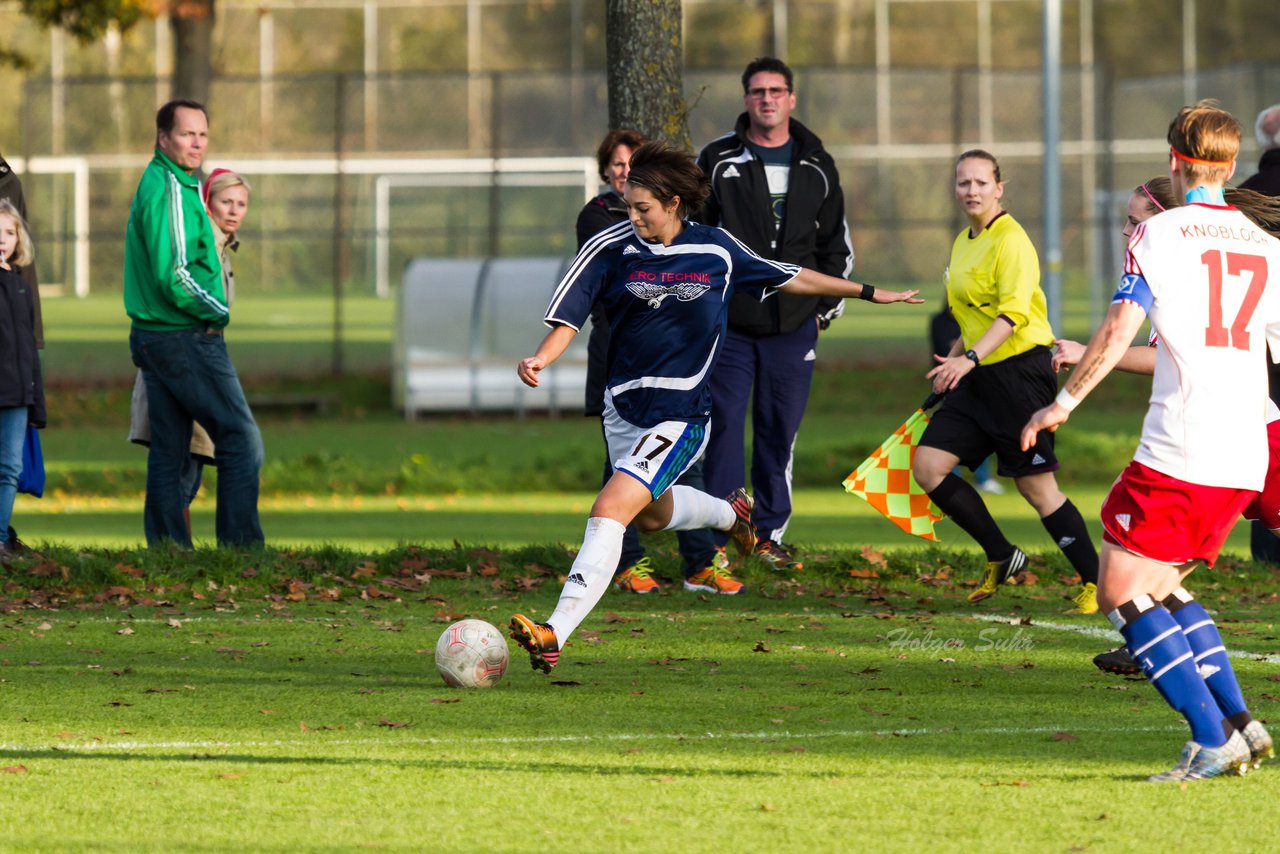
668,173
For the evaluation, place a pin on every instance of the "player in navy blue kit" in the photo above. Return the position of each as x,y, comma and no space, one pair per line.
665,284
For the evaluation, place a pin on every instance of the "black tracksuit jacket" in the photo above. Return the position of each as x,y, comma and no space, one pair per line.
813,232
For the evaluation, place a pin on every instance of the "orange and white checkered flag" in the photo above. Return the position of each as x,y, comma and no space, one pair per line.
884,479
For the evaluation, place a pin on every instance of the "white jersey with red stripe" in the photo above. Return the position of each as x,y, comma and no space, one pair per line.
1214,302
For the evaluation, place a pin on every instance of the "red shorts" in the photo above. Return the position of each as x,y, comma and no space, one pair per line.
1266,507
1168,520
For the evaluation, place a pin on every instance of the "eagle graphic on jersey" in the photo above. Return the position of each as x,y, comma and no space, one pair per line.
655,293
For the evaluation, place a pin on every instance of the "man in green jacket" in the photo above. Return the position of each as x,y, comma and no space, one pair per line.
173,294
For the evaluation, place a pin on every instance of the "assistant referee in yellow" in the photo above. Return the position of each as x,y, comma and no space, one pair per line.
996,375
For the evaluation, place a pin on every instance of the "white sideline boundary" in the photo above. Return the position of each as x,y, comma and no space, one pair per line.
96,746
1109,635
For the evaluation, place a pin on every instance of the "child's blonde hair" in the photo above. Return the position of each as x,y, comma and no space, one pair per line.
24,253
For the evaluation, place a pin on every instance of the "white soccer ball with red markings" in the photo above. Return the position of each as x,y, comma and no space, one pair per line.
471,654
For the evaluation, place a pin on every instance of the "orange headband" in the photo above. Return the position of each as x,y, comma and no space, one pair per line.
1184,158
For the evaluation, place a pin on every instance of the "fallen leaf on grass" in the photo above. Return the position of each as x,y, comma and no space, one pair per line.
230,775
1022,784
442,700
1064,736
44,627
665,778
761,647
392,724
874,556
14,769
566,683
161,691
125,631
174,624
864,573
768,808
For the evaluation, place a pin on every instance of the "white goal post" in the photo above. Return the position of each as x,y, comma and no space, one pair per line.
78,169
469,172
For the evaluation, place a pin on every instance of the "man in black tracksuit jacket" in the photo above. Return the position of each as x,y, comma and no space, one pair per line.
775,189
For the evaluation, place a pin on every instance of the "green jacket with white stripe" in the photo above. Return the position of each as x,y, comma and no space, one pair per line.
172,275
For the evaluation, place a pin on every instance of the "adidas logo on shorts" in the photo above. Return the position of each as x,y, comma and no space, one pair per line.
576,578
1037,460
1123,520
643,465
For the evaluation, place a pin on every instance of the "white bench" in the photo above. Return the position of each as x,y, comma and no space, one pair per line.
464,323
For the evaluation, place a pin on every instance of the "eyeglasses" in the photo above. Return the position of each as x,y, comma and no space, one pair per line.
771,92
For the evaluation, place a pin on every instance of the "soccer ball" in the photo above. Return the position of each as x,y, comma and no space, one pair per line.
471,654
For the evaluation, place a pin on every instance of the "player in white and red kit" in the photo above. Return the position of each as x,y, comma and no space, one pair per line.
1200,272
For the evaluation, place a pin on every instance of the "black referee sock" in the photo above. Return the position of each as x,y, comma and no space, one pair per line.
955,497
1068,530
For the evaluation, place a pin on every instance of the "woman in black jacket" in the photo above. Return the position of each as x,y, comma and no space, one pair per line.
21,389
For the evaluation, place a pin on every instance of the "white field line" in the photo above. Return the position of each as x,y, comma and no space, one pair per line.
98,746
1109,635
1102,633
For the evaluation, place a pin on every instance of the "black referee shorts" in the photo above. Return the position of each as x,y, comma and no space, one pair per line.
985,415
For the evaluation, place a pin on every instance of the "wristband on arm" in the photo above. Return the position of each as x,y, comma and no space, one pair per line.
868,292
1067,400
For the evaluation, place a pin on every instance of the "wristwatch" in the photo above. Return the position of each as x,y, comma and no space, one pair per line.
969,354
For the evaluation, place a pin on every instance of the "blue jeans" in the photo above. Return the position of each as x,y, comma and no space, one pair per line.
189,377
13,433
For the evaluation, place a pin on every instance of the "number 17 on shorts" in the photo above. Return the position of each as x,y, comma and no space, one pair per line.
656,456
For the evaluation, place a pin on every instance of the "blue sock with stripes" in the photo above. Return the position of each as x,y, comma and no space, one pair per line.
1210,654
1156,642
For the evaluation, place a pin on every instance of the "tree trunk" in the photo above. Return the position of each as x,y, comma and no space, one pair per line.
644,50
192,25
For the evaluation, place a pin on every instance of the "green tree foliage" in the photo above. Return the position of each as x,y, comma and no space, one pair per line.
87,20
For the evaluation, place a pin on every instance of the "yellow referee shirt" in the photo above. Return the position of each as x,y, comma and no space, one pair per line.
997,274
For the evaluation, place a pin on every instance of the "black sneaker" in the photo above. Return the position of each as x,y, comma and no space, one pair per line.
1118,661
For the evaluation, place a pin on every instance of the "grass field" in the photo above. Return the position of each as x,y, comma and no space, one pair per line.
819,715
273,702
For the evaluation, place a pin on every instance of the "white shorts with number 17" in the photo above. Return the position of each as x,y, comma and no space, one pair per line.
656,456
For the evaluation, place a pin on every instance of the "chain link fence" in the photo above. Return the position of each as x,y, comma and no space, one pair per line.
319,143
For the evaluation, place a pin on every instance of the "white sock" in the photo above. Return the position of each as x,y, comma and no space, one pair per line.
692,509
589,576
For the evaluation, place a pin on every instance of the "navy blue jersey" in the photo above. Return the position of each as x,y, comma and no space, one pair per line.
667,307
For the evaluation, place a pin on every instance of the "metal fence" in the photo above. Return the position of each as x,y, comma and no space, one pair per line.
322,159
